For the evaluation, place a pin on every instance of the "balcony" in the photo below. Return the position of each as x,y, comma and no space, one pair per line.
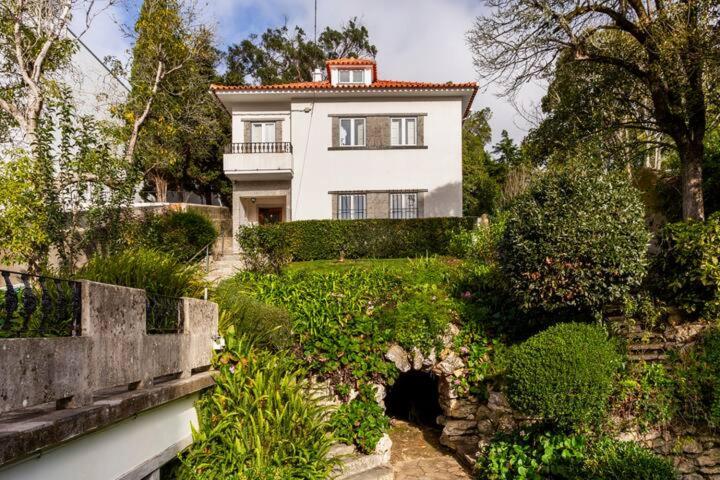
258,161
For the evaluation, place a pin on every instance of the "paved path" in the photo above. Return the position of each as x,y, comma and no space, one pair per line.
417,455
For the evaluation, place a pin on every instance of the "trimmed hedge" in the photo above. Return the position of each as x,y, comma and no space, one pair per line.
372,238
563,374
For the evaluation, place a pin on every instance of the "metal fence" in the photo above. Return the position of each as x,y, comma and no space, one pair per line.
162,314
36,306
259,147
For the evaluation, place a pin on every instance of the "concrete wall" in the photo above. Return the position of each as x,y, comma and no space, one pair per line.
113,350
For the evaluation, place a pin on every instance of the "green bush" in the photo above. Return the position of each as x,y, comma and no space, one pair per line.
264,248
362,422
698,381
575,240
615,460
688,268
563,374
480,244
532,455
266,326
181,234
538,454
158,273
258,421
376,238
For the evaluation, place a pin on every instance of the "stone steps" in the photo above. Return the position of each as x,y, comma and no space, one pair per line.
377,473
356,464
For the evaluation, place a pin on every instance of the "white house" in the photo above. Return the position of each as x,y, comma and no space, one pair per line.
348,146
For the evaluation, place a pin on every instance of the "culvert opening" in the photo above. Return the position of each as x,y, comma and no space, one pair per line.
414,397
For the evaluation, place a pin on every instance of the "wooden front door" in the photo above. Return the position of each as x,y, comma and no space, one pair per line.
269,215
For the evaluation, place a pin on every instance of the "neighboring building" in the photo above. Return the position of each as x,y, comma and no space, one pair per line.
349,146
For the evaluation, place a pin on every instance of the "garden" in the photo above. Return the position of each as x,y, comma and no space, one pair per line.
563,339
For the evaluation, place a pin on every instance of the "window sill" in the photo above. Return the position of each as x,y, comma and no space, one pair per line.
394,147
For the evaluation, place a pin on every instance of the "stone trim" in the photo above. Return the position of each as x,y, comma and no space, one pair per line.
389,147
405,190
377,202
369,115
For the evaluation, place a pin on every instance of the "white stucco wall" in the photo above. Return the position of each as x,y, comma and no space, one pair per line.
115,451
317,170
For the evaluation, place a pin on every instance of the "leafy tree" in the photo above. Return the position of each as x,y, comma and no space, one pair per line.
480,190
66,194
506,152
669,48
31,52
282,55
181,145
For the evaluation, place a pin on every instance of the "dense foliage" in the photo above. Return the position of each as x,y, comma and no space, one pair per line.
698,381
331,239
575,241
563,374
537,454
258,421
361,422
181,234
156,272
688,268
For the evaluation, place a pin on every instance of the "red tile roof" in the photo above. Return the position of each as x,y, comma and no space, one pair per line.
376,85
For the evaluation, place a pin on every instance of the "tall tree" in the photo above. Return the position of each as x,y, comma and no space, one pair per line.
669,47
480,190
282,55
33,46
161,55
506,152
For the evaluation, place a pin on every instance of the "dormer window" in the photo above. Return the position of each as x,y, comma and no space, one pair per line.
348,76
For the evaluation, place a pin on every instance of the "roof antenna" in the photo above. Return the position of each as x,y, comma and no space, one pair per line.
315,29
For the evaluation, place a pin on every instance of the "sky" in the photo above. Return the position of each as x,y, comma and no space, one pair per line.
422,40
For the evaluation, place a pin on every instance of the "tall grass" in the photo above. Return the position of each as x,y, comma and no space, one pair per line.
156,272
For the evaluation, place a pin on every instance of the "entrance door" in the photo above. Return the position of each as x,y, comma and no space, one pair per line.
269,215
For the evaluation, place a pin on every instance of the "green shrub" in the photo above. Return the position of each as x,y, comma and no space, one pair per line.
258,421
181,234
331,239
532,455
576,240
480,244
265,249
647,393
563,374
614,460
266,326
362,422
698,381
158,273
689,266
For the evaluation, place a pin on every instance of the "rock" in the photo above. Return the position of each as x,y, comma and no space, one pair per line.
506,423
685,466
446,388
451,363
431,359
460,408
709,458
692,446
498,401
417,362
399,357
441,419
483,411
384,444
380,394
486,427
710,470
692,476
459,427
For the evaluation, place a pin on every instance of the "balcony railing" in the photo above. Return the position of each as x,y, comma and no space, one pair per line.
259,147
